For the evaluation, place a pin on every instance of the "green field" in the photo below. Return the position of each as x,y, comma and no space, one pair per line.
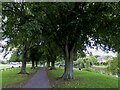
11,78
0,80
83,79
4,66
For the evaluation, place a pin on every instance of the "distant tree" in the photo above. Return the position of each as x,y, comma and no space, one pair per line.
14,57
85,62
113,66
93,59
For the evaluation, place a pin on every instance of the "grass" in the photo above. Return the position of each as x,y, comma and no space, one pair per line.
83,79
11,78
0,80
4,66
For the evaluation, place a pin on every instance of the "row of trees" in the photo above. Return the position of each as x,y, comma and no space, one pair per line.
62,28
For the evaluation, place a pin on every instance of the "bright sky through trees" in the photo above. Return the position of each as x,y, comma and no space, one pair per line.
101,53
94,52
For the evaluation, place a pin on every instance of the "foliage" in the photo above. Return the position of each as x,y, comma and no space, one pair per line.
105,63
16,57
94,59
113,66
85,62
97,63
19,27
109,37
35,53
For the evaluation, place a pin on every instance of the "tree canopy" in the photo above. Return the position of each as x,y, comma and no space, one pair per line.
70,26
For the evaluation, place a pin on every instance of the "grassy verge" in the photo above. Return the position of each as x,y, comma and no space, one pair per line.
11,78
0,80
83,79
4,66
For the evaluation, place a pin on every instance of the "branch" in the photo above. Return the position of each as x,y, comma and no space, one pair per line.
50,20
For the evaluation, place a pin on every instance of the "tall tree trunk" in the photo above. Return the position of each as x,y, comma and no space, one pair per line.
33,64
52,65
36,63
23,68
48,62
68,71
118,65
52,59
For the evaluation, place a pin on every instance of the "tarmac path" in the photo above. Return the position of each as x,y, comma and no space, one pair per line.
39,80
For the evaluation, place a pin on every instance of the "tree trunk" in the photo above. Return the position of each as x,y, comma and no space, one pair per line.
36,63
118,65
53,65
68,71
33,64
23,68
48,63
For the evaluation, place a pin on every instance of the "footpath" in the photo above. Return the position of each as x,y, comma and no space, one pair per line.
39,80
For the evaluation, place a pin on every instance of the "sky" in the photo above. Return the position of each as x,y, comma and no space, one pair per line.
2,53
101,53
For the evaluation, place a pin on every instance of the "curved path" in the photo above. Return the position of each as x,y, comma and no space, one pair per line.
39,80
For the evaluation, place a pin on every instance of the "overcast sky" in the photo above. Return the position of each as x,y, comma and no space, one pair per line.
101,53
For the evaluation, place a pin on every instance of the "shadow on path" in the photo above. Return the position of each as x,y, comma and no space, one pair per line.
39,80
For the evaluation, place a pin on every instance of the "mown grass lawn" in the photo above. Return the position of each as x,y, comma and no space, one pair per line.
11,78
84,79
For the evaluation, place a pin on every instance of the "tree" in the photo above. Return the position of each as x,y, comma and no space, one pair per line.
108,30
33,57
19,29
73,24
85,62
93,59
53,55
113,66
13,30
65,29
36,54
51,51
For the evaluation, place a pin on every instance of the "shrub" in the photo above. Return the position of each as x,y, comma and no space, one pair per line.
98,63
105,63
